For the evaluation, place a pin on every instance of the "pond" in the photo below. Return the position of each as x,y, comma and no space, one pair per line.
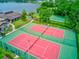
18,7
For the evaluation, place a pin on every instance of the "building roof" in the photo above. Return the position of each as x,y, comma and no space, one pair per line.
1,15
3,21
13,15
10,15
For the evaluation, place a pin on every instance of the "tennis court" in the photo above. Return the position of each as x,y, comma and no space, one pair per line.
58,35
45,50
38,28
34,41
41,49
23,41
50,31
57,18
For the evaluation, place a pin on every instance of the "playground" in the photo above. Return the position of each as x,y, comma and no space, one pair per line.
34,41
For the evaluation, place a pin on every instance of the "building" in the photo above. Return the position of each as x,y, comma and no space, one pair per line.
11,15
6,18
4,24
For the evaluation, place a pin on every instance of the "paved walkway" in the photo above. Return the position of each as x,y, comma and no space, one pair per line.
18,28
13,26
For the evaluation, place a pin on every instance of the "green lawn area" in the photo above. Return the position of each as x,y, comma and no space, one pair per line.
7,53
19,22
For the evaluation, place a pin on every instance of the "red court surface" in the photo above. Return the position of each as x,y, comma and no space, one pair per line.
23,41
41,49
45,50
50,31
55,32
38,28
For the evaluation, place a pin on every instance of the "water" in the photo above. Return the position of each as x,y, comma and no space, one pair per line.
18,7
22,1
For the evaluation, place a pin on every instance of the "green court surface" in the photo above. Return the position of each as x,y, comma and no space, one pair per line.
57,18
68,52
69,36
68,48
4,44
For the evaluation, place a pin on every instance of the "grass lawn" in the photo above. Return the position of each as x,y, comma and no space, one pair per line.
18,23
7,53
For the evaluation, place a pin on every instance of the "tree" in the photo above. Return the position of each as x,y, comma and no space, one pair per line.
31,14
66,8
74,16
70,10
24,14
63,7
48,4
45,13
34,15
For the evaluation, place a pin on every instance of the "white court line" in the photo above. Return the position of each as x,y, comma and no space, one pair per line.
45,50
